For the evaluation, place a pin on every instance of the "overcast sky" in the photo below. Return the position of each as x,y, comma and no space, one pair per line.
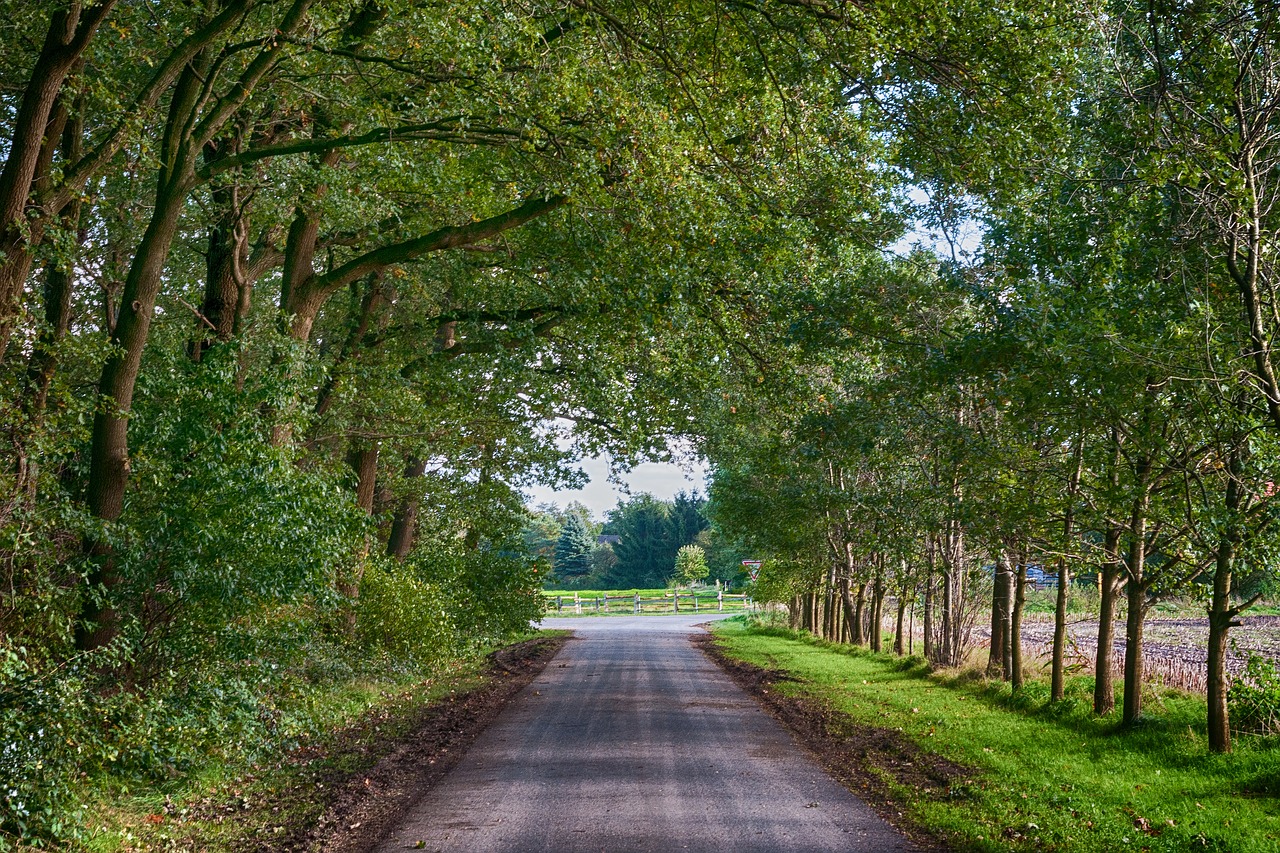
660,479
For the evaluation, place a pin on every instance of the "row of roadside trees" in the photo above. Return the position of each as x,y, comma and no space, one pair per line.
1092,389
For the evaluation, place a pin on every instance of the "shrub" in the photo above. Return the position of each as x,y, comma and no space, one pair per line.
1253,699
405,616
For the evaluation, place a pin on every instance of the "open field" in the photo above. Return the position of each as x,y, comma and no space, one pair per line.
614,601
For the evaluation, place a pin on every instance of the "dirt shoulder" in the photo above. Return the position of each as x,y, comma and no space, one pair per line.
867,760
383,774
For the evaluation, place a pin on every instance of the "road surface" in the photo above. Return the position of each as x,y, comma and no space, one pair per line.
631,740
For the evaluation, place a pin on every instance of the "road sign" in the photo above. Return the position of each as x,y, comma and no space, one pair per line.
753,567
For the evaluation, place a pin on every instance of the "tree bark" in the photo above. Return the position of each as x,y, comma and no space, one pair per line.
899,638
1015,624
404,527
1104,692
71,29
877,606
999,617
859,616
929,581
1136,595
1057,688
1221,612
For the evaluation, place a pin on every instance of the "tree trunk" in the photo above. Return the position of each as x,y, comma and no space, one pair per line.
999,616
1104,692
1221,613
877,606
1057,689
899,644
363,460
71,28
1015,624
1135,569
929,581
405,525
1135,621
859,616
850,612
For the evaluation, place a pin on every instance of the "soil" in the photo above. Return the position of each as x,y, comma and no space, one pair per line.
364,803
865,759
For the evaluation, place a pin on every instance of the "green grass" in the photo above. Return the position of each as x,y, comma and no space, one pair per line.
1045,776
585,594
620,601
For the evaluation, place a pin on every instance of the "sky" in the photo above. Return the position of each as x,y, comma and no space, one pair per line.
660,479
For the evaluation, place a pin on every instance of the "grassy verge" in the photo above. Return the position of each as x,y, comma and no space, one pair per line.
1042,776
238,805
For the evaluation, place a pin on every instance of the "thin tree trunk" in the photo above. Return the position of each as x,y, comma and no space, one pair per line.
929,582
899,638
1104,691
999,616
859,616
1221,613
877,606
1135,569
1015,624
1057,689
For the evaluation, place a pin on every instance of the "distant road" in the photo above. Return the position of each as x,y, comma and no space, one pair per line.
631,740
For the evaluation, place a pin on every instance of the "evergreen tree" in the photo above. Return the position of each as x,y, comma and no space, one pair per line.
574,548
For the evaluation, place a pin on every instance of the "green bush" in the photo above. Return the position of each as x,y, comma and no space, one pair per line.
43,737
1254,697
405,616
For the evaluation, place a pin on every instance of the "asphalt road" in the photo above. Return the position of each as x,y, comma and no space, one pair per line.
631,740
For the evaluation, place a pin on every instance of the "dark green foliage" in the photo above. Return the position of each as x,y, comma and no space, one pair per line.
647,546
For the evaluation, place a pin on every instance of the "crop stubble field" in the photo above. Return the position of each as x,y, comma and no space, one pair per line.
1175,649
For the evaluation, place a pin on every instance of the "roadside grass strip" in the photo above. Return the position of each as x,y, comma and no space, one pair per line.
1041,776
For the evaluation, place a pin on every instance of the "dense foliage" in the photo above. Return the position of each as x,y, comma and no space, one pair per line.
297,295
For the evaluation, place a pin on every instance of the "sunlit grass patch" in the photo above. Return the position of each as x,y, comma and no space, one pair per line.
1045,775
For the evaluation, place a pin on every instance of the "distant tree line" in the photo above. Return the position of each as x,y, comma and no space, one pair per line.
635,547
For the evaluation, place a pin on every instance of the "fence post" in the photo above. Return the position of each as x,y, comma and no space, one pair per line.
637,602
719,599
695,602
577,604
675,602
606,603
559,603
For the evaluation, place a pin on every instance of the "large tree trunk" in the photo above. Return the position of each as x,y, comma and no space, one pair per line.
109,449
71,28
404,527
